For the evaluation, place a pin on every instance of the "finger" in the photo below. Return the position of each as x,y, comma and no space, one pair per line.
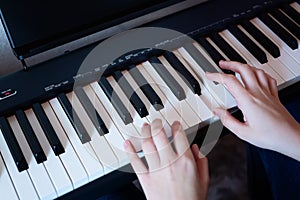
232,84
149,148
230,122
202,165
246,72
136,163
273,87
181,142
262,78
163,146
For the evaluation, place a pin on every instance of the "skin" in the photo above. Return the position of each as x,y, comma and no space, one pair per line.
169,168
182,173
267,122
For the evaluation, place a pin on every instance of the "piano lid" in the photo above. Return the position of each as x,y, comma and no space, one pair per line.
34,26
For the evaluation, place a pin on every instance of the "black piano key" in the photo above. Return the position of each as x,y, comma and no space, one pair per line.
214,54
48,129
291,12
74,119
286,22
174,86
30,136
13,145
115,101
149,92
261,38
91,111
226,48
187,77
289,39
199,58
257,52
131,94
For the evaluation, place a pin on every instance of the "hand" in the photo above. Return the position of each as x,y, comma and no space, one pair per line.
267,123
170,175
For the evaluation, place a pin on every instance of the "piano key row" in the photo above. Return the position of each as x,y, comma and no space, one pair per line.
66,150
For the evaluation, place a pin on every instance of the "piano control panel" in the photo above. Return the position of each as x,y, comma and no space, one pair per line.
7,93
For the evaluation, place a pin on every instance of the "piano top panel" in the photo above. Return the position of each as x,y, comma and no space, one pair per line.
33,26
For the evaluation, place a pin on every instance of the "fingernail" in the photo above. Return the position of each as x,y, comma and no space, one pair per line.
217,112
176,125
200,155
145,124
208,74
126,144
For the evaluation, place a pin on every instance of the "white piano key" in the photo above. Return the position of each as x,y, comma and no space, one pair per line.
286,52
53,165
231,40
195,102
85,153
275,63
114,137
182,107
296,6
128,131
153,114
169,113
37,172
21,180
222,96
69,159
99,144
7,189
137,120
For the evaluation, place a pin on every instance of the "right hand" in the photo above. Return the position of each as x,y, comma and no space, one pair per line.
267,123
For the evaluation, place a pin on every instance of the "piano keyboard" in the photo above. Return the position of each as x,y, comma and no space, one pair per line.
62,144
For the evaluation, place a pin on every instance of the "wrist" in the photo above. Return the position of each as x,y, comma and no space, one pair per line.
291,146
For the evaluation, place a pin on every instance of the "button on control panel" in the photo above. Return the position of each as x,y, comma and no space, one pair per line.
7,93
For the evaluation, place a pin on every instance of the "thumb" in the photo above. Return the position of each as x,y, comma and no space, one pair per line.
230,122
202,166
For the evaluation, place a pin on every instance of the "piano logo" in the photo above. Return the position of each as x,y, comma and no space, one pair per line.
7,93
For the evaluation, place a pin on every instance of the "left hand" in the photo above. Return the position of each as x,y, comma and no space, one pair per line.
180,174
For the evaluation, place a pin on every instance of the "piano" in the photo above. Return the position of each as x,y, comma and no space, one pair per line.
62,128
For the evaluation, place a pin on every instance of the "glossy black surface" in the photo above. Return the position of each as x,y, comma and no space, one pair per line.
91,111
74,119
131,94
149,92
170,81
31,137
257,52
286,22
48,129
228,50
186,76
289,39
291,12
115,101
13,145
260,37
